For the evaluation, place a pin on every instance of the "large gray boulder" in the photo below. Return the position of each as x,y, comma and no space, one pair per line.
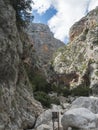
90,103
45,119
43,127
80,118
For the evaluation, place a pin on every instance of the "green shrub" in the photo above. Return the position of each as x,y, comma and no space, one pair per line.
55,100
66,92
23,10
38,81
41,84
43,98
54,88
96,73
81,91
61,90
95,42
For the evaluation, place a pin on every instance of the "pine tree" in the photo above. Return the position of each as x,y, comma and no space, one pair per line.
23,10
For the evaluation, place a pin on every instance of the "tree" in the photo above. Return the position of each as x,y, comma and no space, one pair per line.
23,10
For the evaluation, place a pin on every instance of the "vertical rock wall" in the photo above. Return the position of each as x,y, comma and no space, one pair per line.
18,109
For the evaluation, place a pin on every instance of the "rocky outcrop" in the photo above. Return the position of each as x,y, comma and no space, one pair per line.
82,114
18,108
45,120
43,41
88,22
77,62
20,53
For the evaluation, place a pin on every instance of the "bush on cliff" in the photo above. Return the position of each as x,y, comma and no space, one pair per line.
43,98
81,91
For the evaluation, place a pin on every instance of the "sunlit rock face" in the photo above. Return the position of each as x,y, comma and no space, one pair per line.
87,22
43,41
80,56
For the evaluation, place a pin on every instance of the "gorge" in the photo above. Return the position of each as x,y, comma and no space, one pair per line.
32,60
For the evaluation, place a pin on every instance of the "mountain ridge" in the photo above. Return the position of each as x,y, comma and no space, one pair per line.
79,57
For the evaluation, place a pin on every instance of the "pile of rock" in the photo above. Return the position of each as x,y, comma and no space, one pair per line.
82,115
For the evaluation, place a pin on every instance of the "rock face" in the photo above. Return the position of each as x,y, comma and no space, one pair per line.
88,22
77,62
18,109
43,41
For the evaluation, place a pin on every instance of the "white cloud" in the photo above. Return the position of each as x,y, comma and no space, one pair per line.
68,12
41,5
93,4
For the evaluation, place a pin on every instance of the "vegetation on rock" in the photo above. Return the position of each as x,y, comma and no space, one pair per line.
23,11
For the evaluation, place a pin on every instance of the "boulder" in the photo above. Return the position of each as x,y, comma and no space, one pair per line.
80,118
90,103
48,127
44,118
43,127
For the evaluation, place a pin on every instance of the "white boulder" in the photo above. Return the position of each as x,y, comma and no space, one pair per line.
90,103
81,118
43,127
44,118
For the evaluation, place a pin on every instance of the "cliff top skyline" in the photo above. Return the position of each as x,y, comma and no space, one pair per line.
60,15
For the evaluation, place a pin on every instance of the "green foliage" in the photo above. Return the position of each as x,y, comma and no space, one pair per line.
95,42
43,98
66,92
38,81
96,73
61,90
41,84
55,100
23,11
73,128
1,92
81,91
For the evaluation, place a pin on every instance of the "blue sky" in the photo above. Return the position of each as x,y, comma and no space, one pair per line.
60,15
44,17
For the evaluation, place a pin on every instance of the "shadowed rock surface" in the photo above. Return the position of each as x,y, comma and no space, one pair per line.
18,108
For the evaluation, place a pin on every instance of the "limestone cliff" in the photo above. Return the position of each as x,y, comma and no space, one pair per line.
18,108
77,62
44,43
